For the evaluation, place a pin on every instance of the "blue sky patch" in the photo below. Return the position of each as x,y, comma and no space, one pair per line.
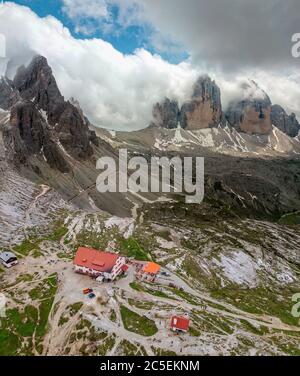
125,40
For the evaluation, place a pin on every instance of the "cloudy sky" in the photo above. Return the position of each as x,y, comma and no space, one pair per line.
118,57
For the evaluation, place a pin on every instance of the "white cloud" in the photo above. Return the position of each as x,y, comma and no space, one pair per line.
116,90
283,89
88,15
91,9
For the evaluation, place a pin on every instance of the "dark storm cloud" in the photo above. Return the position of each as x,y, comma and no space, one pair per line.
230,33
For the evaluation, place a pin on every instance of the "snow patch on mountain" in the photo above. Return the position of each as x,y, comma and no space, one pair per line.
226,140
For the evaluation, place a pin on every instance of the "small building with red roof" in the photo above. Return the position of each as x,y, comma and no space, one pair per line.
98,264
180,324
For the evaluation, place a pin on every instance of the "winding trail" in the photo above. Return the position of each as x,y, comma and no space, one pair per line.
44,190
70,292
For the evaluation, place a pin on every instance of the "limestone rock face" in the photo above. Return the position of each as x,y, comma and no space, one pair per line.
286,123
28,135
73,132
166,114
92,134
37,84
42,123
9,95
204,110
251,115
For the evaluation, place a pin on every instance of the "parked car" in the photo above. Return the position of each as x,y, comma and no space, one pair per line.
92,295
172,285
87,291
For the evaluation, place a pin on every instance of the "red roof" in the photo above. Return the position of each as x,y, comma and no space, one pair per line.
95,260
125,268
180,323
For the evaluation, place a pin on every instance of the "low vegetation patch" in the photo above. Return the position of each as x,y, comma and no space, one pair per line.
21,325
163,352
141,304
129,349
290,219
132,248
26,247
261,301
113,316
136,323
139,287
107,345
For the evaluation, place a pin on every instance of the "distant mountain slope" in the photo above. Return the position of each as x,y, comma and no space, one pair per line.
49,141
231,263
223,140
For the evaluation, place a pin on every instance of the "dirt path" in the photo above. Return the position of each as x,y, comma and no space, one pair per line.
261,319
70,292
44,189
256,319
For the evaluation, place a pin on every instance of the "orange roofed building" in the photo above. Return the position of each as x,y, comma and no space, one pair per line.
148,272
151,268
98,264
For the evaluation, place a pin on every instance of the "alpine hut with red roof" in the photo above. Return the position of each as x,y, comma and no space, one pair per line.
180,324
98,264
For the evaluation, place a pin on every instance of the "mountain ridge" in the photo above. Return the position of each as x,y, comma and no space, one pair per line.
253,113
50,141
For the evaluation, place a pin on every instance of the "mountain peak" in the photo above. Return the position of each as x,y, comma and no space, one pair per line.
203,85
286,123
40,116
204,110
251,91
252,113
37,83
166,114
